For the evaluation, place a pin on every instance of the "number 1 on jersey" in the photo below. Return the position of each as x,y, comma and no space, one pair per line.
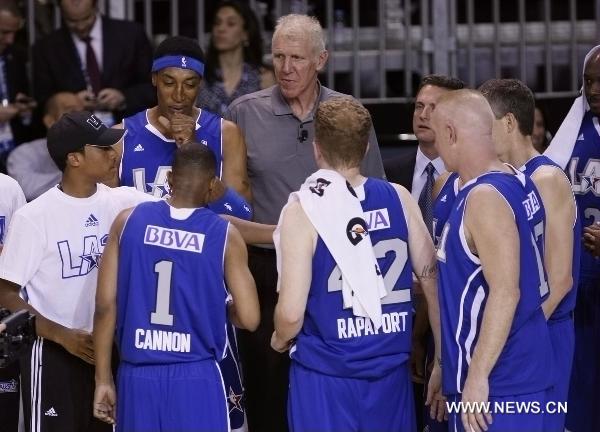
161,313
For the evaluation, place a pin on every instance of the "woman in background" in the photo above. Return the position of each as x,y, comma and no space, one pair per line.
541,136
234,65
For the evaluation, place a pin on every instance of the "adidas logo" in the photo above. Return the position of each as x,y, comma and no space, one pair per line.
91,221
444,198
580,137
51,412
228,206
138,148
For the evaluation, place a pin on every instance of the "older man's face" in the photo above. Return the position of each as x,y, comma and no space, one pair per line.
296,65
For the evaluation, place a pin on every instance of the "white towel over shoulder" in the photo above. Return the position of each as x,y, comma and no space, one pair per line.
337,216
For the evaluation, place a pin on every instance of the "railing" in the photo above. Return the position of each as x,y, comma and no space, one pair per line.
546,54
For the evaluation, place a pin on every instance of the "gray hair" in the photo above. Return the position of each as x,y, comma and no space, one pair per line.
296,26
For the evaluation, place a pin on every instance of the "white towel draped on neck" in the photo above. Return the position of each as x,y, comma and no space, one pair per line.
562,145
337,216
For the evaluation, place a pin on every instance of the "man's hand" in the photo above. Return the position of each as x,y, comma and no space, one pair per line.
88,99
476,391
591,238
2,327
105,399
181,127
79,343
435,399
8,112
278,344
110,99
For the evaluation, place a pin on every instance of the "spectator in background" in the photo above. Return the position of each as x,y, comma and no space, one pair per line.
30,164
104,61
278,126
417,171
234,65
541,136
15,105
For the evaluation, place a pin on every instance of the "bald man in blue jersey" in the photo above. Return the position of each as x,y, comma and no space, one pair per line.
495,341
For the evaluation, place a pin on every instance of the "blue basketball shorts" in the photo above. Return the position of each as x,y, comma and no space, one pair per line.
584,400
183,397
562,335
319,402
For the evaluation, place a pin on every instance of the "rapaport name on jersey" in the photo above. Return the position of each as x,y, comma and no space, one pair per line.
159,340
392,322
174,239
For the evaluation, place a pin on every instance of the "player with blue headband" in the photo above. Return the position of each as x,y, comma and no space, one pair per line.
148,149
154,134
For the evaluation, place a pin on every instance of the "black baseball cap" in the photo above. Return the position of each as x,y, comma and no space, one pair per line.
77,129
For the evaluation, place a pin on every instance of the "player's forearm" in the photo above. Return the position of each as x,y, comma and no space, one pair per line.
104,328
429,286
287,325
495,327
252,232
558,290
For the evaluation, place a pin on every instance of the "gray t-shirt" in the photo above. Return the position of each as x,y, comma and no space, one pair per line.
280,149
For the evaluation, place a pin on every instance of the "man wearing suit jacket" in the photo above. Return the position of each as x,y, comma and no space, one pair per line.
104,61
411,171
408,170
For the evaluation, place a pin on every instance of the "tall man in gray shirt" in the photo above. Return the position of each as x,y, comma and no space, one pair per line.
278,127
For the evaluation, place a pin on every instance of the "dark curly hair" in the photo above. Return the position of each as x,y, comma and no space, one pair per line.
179,45
253,51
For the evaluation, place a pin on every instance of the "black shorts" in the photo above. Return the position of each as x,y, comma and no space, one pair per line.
58,391
9,398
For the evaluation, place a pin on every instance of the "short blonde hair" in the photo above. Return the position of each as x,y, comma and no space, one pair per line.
296,26
342,127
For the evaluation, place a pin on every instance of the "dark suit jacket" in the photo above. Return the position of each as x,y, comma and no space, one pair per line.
400,169
126,64
16,74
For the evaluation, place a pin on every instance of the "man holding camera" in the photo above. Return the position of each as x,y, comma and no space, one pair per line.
11,198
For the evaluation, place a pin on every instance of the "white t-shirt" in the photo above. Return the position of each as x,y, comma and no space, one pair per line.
11,198
54,246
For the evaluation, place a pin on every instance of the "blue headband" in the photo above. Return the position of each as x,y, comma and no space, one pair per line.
182,62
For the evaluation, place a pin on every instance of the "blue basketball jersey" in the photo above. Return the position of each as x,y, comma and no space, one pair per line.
171,298
148,155
525,363
583,170
444,202
567,305
335,342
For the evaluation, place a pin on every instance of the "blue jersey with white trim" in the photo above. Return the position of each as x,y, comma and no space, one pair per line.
525,363
333,340
171,297
583,170
148,155
567,304
444,202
